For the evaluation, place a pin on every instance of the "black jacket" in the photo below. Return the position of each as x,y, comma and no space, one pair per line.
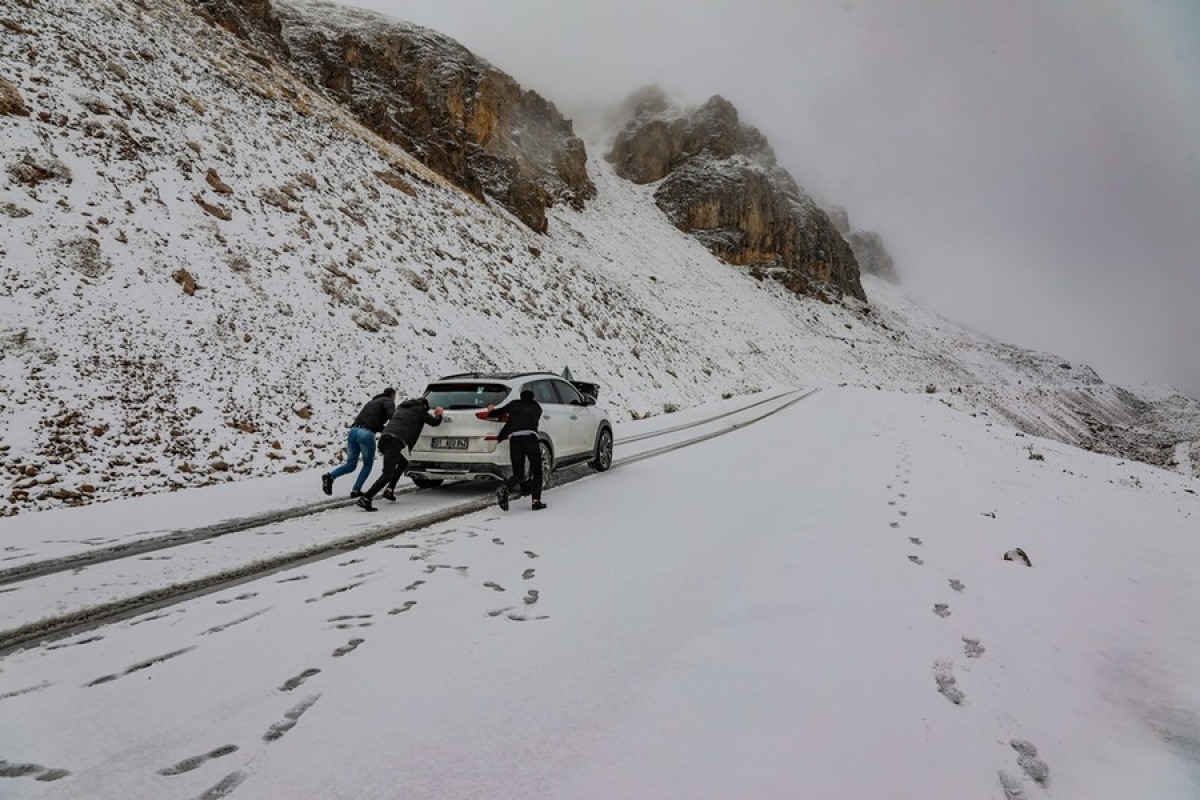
523,415
410,417
375,413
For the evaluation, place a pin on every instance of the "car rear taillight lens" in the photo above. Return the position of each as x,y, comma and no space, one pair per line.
483,415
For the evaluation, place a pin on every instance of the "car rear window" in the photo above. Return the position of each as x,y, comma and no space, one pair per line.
465,394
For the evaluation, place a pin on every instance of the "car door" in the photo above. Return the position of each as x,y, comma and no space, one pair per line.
582,415
556,419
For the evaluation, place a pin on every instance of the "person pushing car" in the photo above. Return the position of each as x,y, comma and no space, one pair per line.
396,442
521,431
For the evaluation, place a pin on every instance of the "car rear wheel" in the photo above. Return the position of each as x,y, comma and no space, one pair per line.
604,451
425,483
547,465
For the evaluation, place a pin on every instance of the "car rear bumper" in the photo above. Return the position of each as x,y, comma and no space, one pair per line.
457,471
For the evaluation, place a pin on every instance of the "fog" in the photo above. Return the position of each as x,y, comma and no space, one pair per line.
1034,168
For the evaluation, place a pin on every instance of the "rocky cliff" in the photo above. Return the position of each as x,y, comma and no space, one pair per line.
872,256
459,115
720,182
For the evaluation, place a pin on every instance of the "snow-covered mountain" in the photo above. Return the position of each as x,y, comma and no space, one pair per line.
207,265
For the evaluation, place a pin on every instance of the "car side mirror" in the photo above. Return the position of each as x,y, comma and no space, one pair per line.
588,400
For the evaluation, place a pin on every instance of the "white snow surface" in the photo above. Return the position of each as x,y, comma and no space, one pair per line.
808,600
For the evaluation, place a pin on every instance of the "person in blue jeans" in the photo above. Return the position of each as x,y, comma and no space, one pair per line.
361,441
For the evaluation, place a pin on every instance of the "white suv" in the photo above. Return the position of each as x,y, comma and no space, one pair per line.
573,428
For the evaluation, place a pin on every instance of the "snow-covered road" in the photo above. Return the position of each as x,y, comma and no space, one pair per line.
89,573
815,605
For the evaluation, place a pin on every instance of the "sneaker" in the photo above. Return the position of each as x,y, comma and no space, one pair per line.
538,505
364,503
502,497
388,494
327,483
355,494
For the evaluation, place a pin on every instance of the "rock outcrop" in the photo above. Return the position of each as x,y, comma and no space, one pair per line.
721,183
872,256
459,115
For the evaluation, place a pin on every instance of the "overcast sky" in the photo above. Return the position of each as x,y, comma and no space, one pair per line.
1034,167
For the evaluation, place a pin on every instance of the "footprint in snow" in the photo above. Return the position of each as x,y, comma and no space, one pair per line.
278,729
1027,758
228,600
407,605
915,540
494,586
292,683
35,771
972,647
194,762
347,648
527,574
531,597
916,559
531,554
957,585
947,685
941,609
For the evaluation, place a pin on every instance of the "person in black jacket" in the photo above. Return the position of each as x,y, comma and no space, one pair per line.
370,421
396,442
521,431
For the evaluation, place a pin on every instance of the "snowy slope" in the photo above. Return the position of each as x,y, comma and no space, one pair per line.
206,268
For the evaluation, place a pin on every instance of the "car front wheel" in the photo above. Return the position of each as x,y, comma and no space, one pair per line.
604,451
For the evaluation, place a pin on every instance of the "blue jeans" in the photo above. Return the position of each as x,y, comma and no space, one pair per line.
359,440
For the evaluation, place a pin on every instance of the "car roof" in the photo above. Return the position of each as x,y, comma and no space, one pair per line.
496,376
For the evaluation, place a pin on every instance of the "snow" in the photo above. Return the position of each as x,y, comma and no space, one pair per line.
776,592
751,614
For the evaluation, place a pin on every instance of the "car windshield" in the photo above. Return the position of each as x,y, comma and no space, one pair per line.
468,394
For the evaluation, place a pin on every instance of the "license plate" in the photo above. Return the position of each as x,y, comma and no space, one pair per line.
449,443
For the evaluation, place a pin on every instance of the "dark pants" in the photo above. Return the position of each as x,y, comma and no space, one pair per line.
394,464
522,448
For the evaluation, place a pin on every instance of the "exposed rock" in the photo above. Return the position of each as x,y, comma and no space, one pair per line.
840,219
722,184
185,279
11,102
457,113
873,258
1018,555
252,20
218,185
219,212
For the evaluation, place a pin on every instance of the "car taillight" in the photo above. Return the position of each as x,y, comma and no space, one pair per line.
484,416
